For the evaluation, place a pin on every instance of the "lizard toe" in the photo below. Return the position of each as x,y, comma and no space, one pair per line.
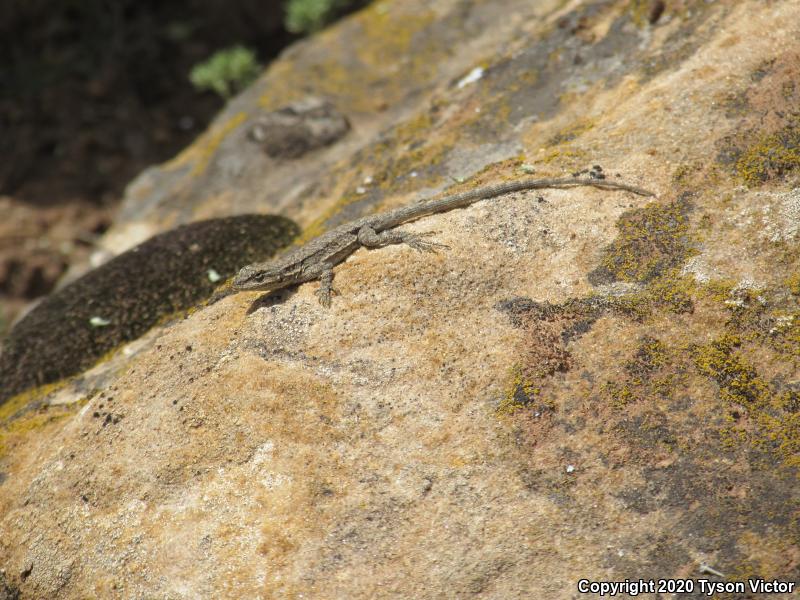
324,297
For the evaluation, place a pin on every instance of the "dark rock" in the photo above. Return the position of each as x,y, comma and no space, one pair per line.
296,129
120,300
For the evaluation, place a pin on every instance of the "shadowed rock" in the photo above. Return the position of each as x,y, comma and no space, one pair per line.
120,300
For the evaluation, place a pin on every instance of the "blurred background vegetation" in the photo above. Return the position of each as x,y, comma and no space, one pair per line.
91,91
94,91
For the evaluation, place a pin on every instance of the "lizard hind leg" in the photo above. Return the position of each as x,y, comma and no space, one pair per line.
367,236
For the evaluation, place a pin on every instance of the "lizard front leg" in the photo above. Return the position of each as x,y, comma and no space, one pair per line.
326,288
367,236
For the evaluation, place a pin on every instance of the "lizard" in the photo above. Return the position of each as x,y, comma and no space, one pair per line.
316,258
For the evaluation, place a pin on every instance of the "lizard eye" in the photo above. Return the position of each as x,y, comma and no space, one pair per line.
247,275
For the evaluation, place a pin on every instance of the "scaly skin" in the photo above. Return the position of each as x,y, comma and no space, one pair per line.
316,259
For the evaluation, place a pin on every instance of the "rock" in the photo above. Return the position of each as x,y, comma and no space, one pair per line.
294,130
593,386
120,300
7,591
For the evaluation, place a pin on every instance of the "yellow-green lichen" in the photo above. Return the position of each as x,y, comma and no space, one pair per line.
568,157
759,412
738,382
783,333
571,132
682,173
788,89
793,283
772,412
60,336
768,317
649,374
202,151
650,356
419,154
387,37
349,62
770,156
651,240
700,175
21,415
719,290
640,11
619,394
522,392
18,403
672,291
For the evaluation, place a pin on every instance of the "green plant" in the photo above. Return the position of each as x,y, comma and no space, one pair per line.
308,16
227,71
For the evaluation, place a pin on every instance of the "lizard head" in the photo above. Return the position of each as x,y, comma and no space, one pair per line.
261,277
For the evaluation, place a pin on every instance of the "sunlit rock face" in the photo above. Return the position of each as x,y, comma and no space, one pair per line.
582,385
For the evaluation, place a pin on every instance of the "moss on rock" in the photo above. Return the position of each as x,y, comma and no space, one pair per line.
771,156
119,301
651,241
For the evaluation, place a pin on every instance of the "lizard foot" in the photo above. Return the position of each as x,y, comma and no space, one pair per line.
324,294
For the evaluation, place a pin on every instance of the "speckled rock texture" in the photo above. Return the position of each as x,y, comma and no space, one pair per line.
584,385
122,299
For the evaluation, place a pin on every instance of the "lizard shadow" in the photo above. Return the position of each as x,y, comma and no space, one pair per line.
271,299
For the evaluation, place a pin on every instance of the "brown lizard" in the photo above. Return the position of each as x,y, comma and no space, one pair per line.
316,258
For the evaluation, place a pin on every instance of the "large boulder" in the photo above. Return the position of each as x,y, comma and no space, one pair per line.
586,385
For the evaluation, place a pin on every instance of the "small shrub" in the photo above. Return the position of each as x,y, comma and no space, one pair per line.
226,72
308,16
